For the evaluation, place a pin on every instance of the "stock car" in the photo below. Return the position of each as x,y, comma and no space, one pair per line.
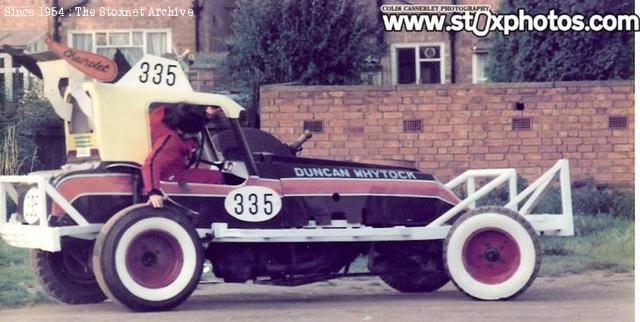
278,218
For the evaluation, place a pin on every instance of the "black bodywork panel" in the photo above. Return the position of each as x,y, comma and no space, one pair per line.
359,207
311,190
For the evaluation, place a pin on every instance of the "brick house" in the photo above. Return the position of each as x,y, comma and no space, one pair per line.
412,57
434,57
133,35
452,57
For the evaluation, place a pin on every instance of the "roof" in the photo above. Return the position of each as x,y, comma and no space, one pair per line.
20,39
482,45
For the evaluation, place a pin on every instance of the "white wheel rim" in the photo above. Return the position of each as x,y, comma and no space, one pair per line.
462,277
187,249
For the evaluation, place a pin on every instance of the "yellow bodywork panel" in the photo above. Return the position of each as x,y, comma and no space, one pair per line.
117,125
121,116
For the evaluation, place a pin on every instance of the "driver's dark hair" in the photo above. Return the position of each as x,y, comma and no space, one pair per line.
187,118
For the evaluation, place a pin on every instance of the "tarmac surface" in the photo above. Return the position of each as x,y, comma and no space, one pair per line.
594,296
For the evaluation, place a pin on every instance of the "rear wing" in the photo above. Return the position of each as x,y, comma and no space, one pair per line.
109,121
67,75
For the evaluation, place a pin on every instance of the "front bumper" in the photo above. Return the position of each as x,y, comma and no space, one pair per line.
40,235
43,237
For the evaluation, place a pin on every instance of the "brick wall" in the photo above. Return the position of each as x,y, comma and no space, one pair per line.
464,126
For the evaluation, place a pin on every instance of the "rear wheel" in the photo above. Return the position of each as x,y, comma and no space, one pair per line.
416,283
148,259
411,266
492,253
66,275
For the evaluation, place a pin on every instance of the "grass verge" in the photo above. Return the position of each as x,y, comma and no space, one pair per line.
18,287
602,242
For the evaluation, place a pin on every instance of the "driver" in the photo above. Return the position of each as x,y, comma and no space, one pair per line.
172,137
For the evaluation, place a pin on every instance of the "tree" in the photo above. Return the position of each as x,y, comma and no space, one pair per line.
562,56
306,41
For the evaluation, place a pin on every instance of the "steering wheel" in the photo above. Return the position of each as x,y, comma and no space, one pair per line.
196,158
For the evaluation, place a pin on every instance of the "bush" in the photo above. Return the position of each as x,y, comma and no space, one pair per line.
19,131
589,199
562,56
499,196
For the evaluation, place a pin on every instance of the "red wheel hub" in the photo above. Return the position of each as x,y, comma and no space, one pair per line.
154,259
491,256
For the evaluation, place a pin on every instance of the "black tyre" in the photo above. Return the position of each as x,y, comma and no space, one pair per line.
148,259
418,283
66,275
411,267
492,253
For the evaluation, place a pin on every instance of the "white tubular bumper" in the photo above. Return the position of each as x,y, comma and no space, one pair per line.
39,235
548,224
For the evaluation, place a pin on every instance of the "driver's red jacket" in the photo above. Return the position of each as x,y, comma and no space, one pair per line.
168,158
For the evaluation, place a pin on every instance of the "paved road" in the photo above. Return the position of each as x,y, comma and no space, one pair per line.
589,297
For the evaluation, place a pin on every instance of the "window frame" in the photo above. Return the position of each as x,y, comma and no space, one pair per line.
416,46
474,67
10,86
145,31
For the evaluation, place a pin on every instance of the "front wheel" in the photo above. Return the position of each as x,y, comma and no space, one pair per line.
492,253
148,259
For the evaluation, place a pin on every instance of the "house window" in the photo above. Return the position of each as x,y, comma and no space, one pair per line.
12,80
479,66
417,63
132,43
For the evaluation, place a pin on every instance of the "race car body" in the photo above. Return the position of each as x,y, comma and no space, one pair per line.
278,218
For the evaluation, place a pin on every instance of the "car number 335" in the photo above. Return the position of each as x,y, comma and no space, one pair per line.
253,203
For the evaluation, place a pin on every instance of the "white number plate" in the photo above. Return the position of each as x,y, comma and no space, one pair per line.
83,152
253,203
157,72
